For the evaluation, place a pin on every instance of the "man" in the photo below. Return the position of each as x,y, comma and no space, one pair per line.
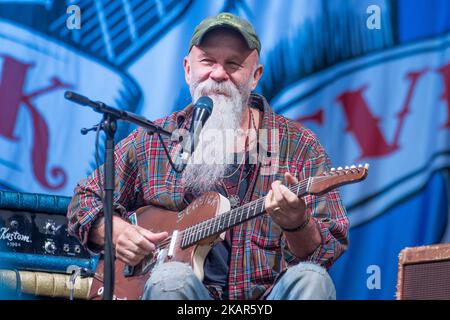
282,254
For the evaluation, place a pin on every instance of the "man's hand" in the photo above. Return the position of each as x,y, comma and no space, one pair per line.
290,215
132,243
286,209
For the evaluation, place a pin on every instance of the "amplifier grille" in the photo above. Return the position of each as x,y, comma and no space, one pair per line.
424,273
427,280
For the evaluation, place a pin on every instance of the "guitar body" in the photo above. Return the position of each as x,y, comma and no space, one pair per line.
156,219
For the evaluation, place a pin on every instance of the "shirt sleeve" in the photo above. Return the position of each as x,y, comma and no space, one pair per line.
86,205
329,215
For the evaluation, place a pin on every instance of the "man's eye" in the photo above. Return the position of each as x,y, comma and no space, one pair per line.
234,64
206,61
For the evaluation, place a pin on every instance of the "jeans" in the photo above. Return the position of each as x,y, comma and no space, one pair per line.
177,281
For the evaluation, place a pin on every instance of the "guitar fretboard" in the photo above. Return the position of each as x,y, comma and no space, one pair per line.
229,219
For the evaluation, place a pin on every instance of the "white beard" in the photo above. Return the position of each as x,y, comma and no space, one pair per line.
210,160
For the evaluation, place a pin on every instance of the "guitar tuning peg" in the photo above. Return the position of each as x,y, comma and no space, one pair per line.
360,166
366,166
339,168
352,166
347,167
333,169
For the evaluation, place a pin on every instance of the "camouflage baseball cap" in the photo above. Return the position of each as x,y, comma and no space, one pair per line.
226,20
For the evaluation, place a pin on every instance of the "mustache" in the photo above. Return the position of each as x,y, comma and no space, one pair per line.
210,87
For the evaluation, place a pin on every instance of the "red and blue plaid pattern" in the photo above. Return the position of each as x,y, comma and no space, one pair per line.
259,252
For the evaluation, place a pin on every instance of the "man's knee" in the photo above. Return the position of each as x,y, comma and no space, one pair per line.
168,280
311,282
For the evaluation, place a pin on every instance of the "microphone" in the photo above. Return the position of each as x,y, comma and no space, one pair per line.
78,98
202,111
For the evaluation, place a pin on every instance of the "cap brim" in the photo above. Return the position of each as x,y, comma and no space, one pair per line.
225,26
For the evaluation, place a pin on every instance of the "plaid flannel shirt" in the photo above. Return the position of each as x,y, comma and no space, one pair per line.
259,252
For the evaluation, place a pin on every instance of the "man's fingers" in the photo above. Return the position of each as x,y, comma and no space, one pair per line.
291,199
268,201
139,240
290,179
283,197
151,236
278,195
136,244
128,257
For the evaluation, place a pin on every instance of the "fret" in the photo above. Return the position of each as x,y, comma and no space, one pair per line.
259,207
208,227
216,225
195,233
221,223
238,215
190,235
200,230
235,217
224,225
232,218
229,220
183,238
249,209
211,227
241,214
185,241
204,232
235,214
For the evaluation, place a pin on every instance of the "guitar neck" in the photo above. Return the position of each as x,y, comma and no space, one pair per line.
233,217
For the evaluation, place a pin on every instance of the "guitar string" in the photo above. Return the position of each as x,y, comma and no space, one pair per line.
294,188
204,224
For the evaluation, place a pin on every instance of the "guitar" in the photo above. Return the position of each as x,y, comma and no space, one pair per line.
193,231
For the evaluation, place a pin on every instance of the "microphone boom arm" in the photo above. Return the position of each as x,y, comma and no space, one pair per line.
103,108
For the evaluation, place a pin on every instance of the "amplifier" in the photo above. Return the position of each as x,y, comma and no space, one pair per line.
424,273
33,234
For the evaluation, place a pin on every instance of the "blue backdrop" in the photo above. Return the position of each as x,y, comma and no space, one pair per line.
370,78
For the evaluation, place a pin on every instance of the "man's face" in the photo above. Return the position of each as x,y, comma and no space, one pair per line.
223,58
226,70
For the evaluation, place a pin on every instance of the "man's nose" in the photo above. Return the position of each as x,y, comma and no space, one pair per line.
219,73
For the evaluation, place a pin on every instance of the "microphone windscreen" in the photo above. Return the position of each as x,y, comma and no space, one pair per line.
204,102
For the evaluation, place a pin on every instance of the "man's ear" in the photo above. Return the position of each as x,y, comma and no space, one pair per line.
257,75
187,70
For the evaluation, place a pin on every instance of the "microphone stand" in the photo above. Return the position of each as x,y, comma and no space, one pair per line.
109,126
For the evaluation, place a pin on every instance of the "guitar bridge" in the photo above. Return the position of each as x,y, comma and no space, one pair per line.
172,244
